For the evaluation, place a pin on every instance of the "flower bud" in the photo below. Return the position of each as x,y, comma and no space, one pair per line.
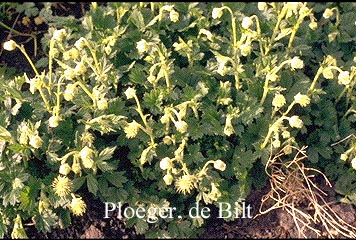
313,25
344,78
142,46
220,165
328,13
53,121
166,163
174,16
296,63
35,141
328,74
217,13
130,93
86,154
343,157
102,104
10,45
181,126
295,122
168,179
262,6
64,169
301,99
353,163
246,22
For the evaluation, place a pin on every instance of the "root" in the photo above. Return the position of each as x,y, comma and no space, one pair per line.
294,191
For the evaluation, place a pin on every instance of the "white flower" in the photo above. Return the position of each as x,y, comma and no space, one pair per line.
130,93
80,43
35,141
86,154
166,163
9,45
217,13
142,46
245,49
344,78
278,101
295,122
168,179
53,121
220,165
64,169
296,63
174,16
59,34
208,34
302,100
353,163
328,13
261,6
246,22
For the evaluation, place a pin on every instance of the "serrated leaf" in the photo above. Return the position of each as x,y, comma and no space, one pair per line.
92,184
46,220
78,183
137,76
116,179
106,153
141,226
137,19
5,135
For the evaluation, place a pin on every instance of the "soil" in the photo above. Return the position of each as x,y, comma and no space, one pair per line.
274,224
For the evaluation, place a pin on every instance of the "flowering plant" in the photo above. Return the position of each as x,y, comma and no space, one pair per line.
159,104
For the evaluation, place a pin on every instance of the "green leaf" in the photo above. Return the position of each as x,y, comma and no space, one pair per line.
106,153
137,76
5,135
92,184
137,19
141,226
116,178
78,183
46,220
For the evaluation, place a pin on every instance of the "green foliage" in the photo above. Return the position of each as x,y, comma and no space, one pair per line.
162,105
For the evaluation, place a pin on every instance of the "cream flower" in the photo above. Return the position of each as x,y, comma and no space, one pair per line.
181,126
301,99
174,16
185,184
130,93
53,121
245,49
58,35
261,6
328,13
77,206
166,163
35,141
246,22
10,45
80,43
217,13
62,186
328,74
278,101
102,104
168,179
219,165
313,25
142,46
295,122
296,63
344,78
64,169
131,129
86,154
353,163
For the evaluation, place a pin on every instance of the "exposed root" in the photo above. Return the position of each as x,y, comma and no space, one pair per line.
294,191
